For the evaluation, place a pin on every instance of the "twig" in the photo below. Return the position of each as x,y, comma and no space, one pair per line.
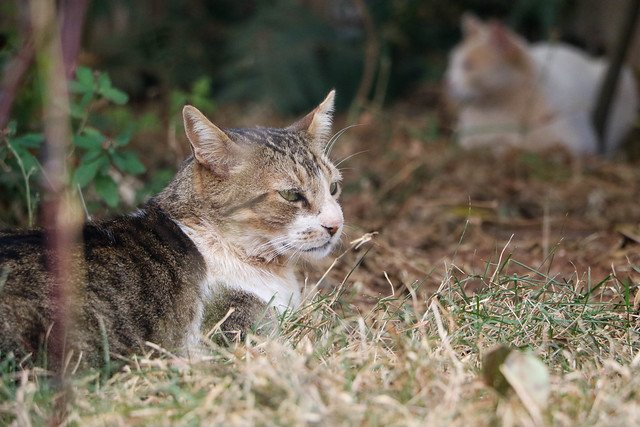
12,79
371,54
609,84
72,16
61,219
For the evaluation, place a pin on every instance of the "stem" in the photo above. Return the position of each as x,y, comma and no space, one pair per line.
62,219
72,15
27,185
608,89
371,55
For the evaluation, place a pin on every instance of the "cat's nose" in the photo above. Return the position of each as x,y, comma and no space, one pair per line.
331,229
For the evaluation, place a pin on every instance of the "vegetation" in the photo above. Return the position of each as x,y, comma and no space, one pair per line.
405,360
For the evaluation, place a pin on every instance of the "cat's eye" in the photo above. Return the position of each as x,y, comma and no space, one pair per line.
333,188
291,195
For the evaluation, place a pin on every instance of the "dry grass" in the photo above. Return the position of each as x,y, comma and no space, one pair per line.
407,360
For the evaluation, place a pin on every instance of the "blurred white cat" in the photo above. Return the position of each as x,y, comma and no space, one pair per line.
510,93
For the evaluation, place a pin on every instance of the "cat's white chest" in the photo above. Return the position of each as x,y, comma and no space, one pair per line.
224,270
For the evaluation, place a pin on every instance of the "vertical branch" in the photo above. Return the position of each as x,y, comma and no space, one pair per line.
72,15
371,54
16,69
61,216
610,83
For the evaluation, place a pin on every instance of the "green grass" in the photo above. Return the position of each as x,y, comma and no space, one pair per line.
411,359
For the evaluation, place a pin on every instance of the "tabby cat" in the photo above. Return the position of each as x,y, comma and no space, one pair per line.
221,235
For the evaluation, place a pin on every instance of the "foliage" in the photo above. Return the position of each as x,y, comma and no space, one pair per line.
98,148
98,152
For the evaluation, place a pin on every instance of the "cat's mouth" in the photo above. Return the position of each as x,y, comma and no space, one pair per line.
320,248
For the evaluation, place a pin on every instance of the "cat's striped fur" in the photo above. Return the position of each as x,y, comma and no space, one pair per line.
223,235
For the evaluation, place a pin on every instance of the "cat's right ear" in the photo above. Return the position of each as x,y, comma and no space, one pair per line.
471,25
211,147
318,122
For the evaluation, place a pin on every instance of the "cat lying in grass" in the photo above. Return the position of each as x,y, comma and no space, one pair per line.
223,234
510,93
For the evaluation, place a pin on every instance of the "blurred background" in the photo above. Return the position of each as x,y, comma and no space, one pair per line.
266,63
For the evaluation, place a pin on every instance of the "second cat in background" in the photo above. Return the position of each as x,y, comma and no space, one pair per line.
510,93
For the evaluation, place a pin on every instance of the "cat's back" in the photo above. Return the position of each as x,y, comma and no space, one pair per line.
24,291
569,77
571,81
23,270
135,280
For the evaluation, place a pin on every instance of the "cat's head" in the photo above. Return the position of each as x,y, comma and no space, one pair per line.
273,192
489,60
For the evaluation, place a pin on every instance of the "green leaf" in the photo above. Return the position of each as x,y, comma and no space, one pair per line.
125,137
115,95
107,189
91,155
201,87
29,162
127,161
29,140
104,82
88,130
76,87
12,127
76,111
87,171
89,139
84,75
109,92
85,100
83,82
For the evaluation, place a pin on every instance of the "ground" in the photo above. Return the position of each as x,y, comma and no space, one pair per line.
433,205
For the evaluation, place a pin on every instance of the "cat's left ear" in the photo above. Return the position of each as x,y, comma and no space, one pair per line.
211,146
318,122
504,40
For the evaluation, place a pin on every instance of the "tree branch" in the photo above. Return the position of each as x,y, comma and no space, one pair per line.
610,83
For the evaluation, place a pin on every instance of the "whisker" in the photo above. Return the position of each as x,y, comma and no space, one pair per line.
349,157
336,136
269,244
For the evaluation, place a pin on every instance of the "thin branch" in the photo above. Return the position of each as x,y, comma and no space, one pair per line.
72,15
371,55
62,217
14,73
608,88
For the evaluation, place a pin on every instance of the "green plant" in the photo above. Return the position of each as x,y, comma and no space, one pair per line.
99,152
19,165
98,147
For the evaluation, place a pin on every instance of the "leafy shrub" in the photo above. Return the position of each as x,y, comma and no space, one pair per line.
97,149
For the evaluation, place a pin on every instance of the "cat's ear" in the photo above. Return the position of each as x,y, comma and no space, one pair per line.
211,147
318,122
505,40
471,25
